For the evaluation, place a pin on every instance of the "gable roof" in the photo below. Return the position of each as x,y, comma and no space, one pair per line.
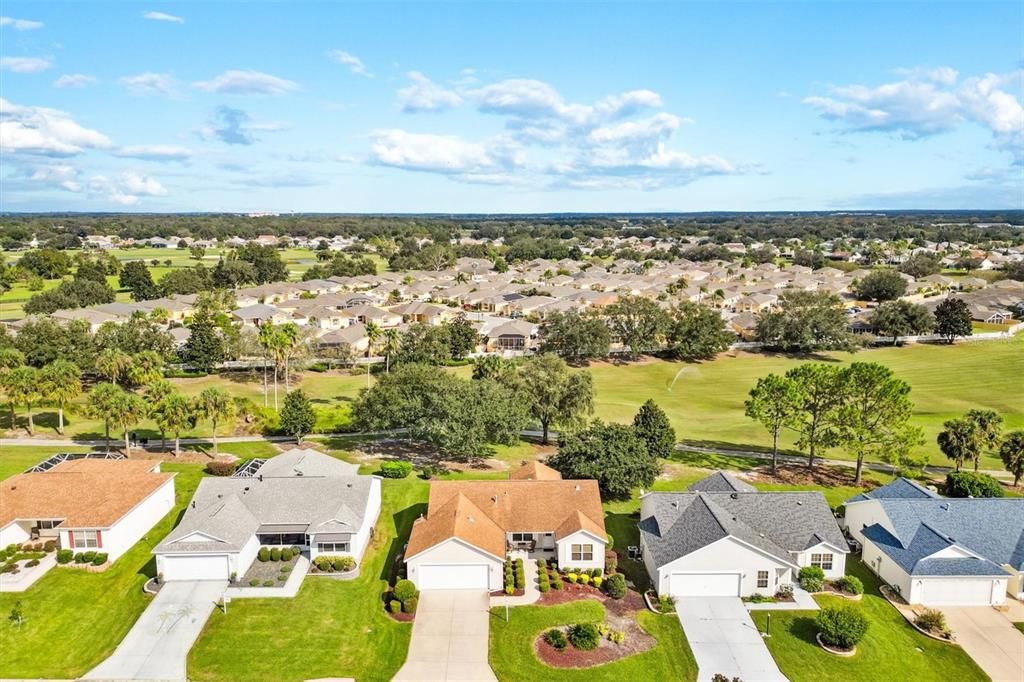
992,528
900,488
86,493
535,471
778,523
720,482
562,507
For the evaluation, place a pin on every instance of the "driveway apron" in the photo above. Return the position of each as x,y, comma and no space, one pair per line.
725,640
990,639
449,638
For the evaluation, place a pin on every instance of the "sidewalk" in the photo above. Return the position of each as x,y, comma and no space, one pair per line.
532,594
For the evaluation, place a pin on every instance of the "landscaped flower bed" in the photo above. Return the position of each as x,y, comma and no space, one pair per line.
402,600
584,645
272,567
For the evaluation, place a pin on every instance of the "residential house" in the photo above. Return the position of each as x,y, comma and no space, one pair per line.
260,314
102,505
470,526
724,538
301,498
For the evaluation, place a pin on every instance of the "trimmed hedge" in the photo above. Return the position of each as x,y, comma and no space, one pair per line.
851,584
812,578
404,590
65,556
221,467
263,554
971,484
395,469
842,627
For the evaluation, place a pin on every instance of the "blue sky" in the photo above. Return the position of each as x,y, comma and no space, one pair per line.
526,107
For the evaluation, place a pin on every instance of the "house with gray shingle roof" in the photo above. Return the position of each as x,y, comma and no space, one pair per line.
939,551
300,498
724,538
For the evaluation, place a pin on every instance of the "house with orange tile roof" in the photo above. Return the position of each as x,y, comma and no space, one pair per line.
100,505
470,526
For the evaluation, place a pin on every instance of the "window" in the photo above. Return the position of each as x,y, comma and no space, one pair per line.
86,539
49,524
281,539
582,552
329,547
822,561
762,579
522,537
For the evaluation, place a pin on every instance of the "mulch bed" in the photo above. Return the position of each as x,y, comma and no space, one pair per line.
402,617
822,475
515,593
620,615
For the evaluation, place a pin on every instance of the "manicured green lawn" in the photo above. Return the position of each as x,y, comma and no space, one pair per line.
512,656
74,619
15,459
1019,626
331,628
891,649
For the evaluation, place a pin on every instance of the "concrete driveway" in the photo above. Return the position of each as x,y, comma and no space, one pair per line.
725,640
990,639
158,644
449,638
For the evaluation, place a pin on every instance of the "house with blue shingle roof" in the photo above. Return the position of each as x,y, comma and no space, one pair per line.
939,551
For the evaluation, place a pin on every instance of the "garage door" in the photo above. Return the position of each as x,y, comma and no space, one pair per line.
956,592
704,585
198,567
453,577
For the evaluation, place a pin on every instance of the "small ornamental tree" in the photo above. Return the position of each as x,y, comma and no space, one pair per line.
653,428
297,415
841,627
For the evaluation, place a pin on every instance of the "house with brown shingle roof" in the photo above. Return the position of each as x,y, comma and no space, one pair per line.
470,526
86,504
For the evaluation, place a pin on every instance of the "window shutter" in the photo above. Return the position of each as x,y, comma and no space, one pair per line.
99,539
71,539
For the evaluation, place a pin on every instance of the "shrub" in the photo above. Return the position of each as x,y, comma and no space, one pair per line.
221,467
595,573
254,582
410,604
509,589
851,584
556,638
520,580
932,620
616,636
544,586
64,556
616,586
557,583
404,589
841,627
286,554
89,556
395,469
343,563
268,583
9,568
286,569
49,546
584,636
263,554
281,577
572,577
395,606
541,564
323,563
812,578
597,582
666,604
79,558
32,562
275,554
99,559
584,579
971,484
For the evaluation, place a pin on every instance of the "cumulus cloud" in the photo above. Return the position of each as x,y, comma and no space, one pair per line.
533,99
74,80
243,82
60,176
46,132
155,152
25,64
127,189
161,16
150,83
20,24
446,154
424,94
930,101
354,63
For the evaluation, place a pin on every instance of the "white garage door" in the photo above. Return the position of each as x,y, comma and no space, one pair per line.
956,592
704,585
198,567
453,577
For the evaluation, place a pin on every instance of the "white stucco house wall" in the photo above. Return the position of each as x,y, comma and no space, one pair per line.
938,551
302,498
724,538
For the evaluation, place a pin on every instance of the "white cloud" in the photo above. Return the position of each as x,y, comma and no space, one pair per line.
127,189
150,83
235,126
161,16
426,95
533,99
244,82
657,127
74,80
62,176
928,102
20,24
155,152
44,131
436,153
25,64
354,63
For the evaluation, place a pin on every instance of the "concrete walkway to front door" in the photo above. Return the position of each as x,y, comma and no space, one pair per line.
449,638
725,640
157,646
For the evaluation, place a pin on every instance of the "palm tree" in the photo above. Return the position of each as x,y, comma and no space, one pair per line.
103,404
147,366
131,409
273,344
10,358
289,340
22,387
392,343
373,333
113,365
154,395
61,382
214,404
175,413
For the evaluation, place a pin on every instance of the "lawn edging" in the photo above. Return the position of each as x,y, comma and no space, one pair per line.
846,653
